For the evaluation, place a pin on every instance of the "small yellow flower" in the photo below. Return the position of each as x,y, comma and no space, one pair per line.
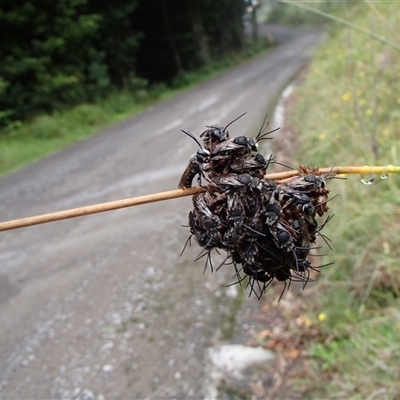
385,132
322,136
369,111
398,100
386,248
359,92
322,317
398,326
346,96
334,115
363,101
356,122
361,74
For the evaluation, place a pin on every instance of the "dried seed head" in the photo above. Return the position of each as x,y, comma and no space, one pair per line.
267,228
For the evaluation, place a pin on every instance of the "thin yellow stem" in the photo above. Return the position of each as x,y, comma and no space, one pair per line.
343,170
173,194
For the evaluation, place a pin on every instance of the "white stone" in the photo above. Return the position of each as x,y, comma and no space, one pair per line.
235,358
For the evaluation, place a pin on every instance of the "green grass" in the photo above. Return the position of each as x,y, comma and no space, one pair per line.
47,134
347,113
25,142
297,13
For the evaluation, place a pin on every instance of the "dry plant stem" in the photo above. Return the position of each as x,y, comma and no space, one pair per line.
389,169
98,208
173,194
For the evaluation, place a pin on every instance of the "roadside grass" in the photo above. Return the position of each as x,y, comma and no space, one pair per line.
25,142
347,113
287,12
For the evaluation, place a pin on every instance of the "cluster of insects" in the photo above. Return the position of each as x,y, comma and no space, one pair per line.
267,229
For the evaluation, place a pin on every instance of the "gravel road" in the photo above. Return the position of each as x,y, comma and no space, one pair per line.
104,306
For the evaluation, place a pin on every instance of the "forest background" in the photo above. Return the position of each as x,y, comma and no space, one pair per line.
69,68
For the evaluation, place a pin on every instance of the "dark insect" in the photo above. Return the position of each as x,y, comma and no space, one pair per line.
215,134
267,229
195,167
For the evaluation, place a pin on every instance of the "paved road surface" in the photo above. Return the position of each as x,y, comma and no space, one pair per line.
103,306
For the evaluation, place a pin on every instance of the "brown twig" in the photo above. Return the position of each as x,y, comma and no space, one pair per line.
173,194
98,208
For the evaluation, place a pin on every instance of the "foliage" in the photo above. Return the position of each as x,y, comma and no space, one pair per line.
59,54
182,36
346,115
285,14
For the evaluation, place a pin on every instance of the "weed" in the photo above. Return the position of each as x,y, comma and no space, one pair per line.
346,113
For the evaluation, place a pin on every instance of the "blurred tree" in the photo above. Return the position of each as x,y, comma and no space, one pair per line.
117,39
44,54
181,35
59,53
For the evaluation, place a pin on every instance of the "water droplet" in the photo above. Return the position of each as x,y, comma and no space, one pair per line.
384,176
367,179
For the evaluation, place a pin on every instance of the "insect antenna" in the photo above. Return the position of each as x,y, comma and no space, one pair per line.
188,241
283,165
223,262
316,255
296,260
261,289
327,175
265,286
308,248
253,230
284,289
315,269
324,237
209,261
207,253
192,137
306,279
201,255
326,221
271,160
342,178
263,125
230,123
237,274
263,136
322,266
239,278
251,283
326,201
